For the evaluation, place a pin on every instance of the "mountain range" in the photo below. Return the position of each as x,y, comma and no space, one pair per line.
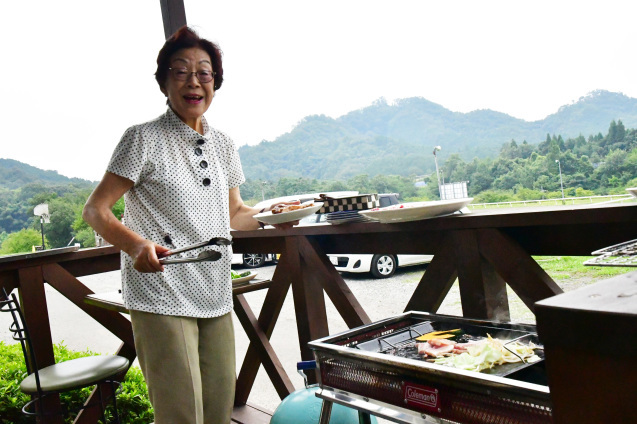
390,139
15,174
399,138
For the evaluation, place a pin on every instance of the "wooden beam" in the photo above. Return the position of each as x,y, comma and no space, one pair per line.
323,274
309,301
174,16
527,279
260,341
36,317
482,291
75,291
270,311
436,282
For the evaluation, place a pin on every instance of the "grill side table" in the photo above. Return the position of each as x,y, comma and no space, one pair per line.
590,343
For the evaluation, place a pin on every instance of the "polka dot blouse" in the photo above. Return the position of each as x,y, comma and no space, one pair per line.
179,197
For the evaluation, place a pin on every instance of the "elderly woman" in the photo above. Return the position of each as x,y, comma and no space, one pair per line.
180,178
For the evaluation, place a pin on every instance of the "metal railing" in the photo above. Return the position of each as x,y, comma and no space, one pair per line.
557,201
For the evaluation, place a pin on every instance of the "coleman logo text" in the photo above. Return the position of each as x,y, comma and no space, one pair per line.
421,396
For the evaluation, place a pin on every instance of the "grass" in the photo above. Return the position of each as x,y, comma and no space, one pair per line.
569,267
132,402
567,271
568,201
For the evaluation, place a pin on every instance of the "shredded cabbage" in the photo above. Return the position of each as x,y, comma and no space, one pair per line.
488,353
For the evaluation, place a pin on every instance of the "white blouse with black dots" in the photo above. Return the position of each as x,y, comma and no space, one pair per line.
179,197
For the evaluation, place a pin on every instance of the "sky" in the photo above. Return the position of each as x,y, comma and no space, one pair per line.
76,74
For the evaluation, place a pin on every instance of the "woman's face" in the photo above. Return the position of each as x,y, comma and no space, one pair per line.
190,98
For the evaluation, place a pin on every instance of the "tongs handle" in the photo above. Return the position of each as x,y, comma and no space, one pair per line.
219,241
205,256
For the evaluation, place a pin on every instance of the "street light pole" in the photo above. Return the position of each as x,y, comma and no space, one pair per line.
42,231
437,149
559,165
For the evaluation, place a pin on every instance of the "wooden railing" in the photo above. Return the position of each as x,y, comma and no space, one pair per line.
60,269
484,250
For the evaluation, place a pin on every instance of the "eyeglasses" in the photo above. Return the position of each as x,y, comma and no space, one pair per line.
183,74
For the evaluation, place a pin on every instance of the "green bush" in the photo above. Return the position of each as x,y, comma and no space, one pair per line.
132,402
22,241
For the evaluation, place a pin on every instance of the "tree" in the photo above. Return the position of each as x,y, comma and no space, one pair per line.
22,241
86,237
493,196
60,231
456,168
481,180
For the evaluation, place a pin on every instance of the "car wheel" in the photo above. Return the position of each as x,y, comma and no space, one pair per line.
253,260
383,266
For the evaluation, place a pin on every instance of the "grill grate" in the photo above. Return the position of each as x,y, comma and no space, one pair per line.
623,254
401,341
374,363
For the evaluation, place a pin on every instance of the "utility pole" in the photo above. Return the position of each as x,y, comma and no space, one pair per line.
437,149
42,210
559,165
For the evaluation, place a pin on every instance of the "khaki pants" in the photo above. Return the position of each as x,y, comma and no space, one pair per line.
189,366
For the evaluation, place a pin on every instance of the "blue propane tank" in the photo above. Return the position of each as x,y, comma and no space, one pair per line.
303,407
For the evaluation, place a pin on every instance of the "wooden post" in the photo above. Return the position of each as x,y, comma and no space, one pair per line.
36,317
174,16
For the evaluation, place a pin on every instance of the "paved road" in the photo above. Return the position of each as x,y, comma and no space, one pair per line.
379,298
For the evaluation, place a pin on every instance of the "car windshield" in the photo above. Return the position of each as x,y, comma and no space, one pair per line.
312,219
388,200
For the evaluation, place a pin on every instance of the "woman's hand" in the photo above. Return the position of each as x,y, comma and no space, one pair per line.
97,213
242,216
285,225
146,256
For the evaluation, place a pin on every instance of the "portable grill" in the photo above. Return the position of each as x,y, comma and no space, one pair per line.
376,369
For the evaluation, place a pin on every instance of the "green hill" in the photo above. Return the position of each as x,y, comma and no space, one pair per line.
14,174
399,138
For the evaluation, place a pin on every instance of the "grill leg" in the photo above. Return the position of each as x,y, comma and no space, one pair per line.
364,418
326,412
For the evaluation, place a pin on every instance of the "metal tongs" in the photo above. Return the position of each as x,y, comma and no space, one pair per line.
206,255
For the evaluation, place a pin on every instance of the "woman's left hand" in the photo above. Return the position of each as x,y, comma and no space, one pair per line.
285,225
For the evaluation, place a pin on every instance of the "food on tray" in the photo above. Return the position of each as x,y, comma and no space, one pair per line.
387,208
236,275
290,208
445,334
436,347
477,355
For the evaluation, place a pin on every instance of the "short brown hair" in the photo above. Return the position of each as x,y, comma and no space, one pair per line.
186,38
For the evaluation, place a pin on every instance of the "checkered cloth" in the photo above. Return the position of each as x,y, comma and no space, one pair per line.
354,203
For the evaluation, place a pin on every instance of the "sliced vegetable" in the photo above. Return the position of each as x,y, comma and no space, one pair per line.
445,334
488,353
237,275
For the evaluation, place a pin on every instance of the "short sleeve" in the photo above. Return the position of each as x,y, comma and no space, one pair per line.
130,156
235,170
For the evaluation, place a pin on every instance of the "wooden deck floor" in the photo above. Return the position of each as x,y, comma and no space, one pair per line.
251,414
